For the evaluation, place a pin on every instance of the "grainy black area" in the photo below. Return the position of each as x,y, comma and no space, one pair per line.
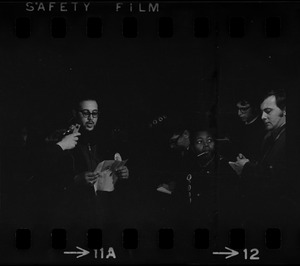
152,72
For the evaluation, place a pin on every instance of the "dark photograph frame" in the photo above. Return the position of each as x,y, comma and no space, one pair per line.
184,104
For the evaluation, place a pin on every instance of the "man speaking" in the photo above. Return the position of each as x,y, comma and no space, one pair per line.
83,192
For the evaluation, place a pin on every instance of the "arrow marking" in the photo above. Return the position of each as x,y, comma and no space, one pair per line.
81,253
230,254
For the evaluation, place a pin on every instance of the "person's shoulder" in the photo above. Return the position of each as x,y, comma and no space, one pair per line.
282,132
257,124
281,138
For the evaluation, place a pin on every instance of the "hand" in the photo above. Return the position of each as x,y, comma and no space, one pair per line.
69,141
241,160
106,181
87,177
238,166
122,172
164,185
170,186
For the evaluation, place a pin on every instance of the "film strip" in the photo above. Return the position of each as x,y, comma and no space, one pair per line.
149,132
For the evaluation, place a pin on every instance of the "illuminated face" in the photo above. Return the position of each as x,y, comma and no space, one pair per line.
245,111
88,114
204,143
272,116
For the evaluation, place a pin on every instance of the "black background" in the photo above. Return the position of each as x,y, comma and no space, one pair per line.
142,78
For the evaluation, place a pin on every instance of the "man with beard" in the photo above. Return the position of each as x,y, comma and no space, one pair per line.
71,164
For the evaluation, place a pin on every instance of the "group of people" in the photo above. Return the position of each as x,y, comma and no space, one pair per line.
252,182
199,183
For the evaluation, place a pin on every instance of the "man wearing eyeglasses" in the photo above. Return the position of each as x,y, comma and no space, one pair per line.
88,118
251,132
74,159
272,158
266,184
86,114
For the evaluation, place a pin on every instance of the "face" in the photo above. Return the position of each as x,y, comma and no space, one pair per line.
88,114
204,144
245,111
180,141
272,116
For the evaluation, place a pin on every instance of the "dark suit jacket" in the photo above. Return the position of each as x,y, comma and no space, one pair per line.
272,163
69,199
205,193
252,136
266,187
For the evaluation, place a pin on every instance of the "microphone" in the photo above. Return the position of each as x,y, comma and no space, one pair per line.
72,129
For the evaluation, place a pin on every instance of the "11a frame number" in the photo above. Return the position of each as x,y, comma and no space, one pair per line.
252,255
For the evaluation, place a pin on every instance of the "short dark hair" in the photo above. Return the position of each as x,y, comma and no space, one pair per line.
248,98
88,96
280,98
211,131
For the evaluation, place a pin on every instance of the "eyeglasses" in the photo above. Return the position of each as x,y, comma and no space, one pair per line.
87,113
244,109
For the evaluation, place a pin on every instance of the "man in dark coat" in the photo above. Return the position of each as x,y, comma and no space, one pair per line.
265,186
209,182
70,177
251,132
272,159
206,195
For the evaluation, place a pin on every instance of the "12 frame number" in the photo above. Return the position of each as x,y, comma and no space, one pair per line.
252,255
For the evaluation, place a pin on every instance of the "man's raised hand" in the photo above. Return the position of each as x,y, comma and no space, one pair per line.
69,141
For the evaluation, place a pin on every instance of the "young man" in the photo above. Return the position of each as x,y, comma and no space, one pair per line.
272,158
180,141
207,177
266,184
70,169
207,165
86,114
251,132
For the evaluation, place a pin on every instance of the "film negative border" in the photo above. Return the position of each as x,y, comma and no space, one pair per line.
130,28
164,243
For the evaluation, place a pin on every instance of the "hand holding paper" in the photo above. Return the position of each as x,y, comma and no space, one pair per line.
87,177
238,166
105,181
109,171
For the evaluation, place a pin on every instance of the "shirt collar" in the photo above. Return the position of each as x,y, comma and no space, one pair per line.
275,133
253,120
